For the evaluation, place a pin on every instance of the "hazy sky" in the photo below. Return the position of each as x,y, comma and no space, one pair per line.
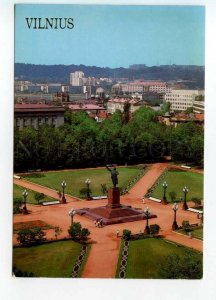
112,36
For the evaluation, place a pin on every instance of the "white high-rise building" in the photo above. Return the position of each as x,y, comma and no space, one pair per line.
76,78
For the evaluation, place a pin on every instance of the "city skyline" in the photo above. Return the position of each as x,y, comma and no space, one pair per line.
113,36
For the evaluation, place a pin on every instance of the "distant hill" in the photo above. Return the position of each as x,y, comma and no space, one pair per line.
60,73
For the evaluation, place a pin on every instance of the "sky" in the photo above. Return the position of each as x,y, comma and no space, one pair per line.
112,36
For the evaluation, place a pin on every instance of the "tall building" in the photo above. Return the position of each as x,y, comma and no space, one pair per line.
182,99
76,78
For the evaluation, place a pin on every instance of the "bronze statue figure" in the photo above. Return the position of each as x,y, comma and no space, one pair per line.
114,175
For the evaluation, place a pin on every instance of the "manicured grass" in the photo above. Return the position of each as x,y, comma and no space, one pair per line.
75,179
196,233
55,259
18,190
146,255
176,180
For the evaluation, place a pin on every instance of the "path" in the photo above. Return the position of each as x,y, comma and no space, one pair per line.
103,257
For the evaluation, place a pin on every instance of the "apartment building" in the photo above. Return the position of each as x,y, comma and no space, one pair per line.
141,87
182,99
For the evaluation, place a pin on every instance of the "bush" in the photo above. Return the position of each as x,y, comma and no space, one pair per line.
196,201
186,226
17,203
154,229
77,232
19,273
38,197
126,234
28,237
83,192
104,189
172,196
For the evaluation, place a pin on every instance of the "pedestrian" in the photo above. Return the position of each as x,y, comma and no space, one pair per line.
117,233
143,201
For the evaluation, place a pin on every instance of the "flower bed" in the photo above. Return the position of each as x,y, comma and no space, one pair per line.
79,261
123,264
30,225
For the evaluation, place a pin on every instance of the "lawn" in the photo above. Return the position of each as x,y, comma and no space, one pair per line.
55,259
146,255
196,233
176,180
18,190
75,179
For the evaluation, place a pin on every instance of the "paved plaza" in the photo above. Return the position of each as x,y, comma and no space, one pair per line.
103,256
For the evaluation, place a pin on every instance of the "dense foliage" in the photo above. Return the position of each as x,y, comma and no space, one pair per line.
81,142
28,237
76,232
188,266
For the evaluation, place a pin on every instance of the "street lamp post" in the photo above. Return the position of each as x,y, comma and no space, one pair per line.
165,185
63,199
175,225
147,213
72,212
24,209
185,191
88,182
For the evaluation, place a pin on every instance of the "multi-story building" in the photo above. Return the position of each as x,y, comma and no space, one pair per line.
35,115
140,87
118,104
78,79
199,107
182,99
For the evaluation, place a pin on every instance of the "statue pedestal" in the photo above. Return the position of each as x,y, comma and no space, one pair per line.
114,198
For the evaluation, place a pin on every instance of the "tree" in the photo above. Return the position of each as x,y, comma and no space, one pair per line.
28,237
126,113
77,232
126,234
154,229
84,192
57,231
186,266
104,188
38,197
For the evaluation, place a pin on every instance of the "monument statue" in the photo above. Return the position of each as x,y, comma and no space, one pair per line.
114,175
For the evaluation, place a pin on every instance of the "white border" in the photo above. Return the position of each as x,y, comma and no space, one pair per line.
15,288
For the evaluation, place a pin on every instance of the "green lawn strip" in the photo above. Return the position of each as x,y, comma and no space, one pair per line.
75,179
56,259
196,233
146,255
176,180
18,190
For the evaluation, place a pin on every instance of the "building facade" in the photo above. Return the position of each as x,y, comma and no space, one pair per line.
118,104
140,87
35,115
182,99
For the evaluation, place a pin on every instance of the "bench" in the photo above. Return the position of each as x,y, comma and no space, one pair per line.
186,167
195,210
16,177
99,197
50,203
154,199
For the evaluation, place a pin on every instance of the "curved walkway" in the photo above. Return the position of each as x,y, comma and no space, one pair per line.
103,257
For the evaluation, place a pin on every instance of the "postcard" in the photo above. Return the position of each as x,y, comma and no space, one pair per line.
109,117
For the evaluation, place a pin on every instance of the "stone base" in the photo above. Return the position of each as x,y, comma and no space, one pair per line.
110,215
114,198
